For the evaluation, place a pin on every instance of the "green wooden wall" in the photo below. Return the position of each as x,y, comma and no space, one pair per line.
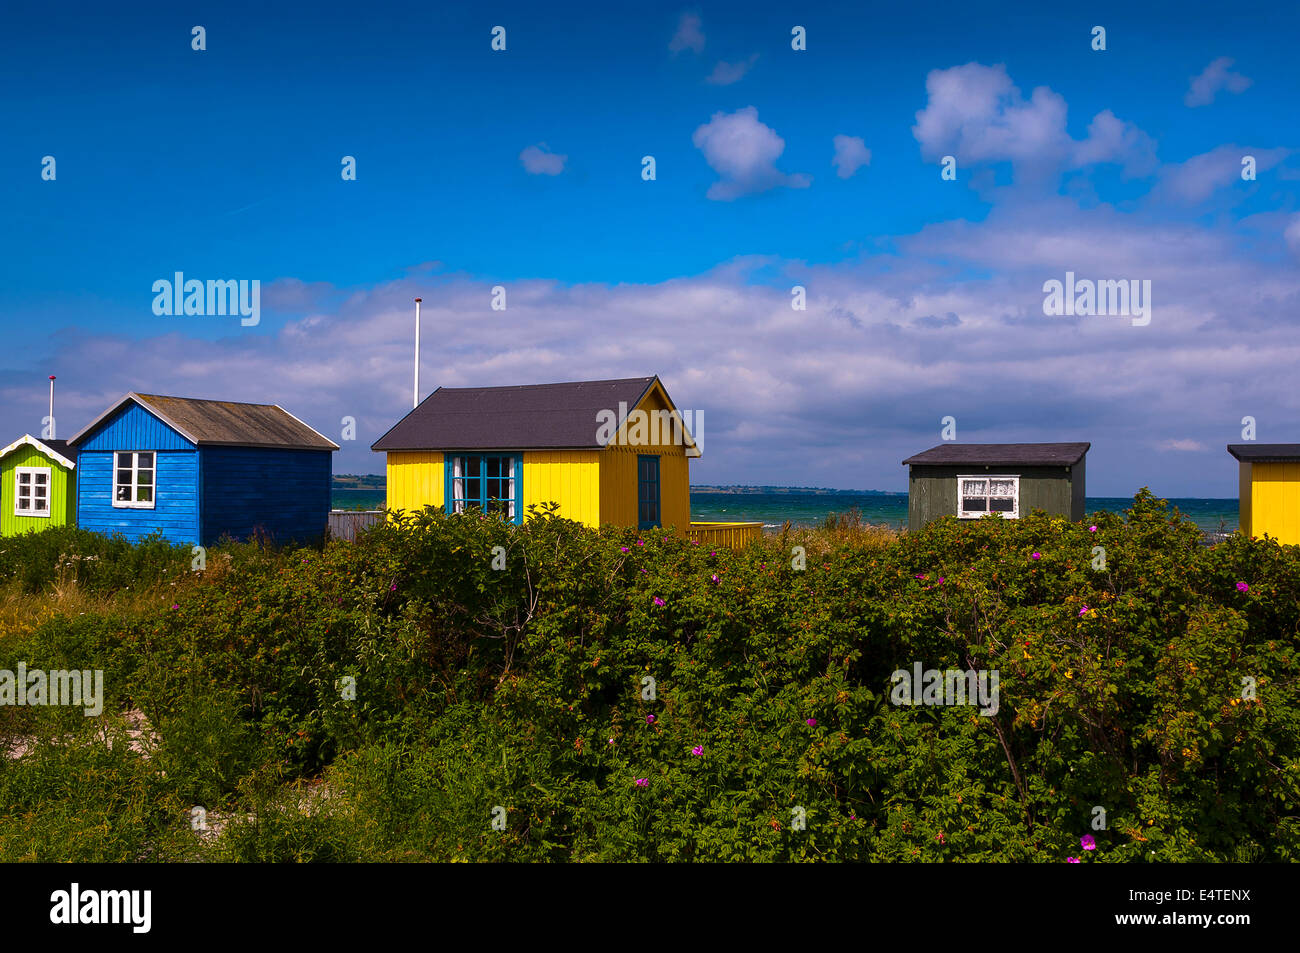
932,490
63,493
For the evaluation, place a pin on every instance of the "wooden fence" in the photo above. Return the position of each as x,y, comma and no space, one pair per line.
345,524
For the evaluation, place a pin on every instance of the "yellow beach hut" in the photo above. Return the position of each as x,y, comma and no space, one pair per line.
612,451
1269,493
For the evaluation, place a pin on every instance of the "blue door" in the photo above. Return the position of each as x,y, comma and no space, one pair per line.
647,484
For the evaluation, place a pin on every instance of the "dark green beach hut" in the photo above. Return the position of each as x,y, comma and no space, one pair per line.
970,480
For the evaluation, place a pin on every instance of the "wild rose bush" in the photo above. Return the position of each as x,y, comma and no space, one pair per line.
1160,688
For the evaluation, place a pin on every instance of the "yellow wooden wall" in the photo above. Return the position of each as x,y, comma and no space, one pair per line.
1274,506
414,479
570,478
618,472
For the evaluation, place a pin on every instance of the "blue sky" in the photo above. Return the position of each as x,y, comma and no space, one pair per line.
522,169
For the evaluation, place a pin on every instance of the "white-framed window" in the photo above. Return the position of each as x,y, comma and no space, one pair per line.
31,491
133,479
988,493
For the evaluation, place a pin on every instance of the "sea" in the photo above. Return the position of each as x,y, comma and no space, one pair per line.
810,509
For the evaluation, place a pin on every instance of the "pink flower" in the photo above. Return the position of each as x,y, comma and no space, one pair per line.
649,719
1092,529
918,576
642,782
1243,587
697,750
1072,860
623,549
940,581
659,602
611,740
1087,842
811,722
714,553
1036,556
640,542
393,587
714,577
175,606
1083,612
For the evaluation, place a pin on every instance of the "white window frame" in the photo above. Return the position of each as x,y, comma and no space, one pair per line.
964,514
135,480
18,471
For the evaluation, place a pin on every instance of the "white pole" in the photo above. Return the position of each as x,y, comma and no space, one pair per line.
52,437
415,397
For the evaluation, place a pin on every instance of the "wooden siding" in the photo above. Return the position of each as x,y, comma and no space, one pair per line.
415,480
133,428
571,478
63,493
618,473
176,509
1244,494
932,491
618,488
1275,501
249,490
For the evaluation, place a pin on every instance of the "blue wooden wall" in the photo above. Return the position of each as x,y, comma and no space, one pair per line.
286,493
176,506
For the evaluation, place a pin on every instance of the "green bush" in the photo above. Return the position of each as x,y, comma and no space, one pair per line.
429,688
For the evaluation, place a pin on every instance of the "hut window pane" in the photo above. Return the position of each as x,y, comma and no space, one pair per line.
133,479
977,496
31,491
488,482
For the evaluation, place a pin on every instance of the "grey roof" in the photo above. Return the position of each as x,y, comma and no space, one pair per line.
518,417
1002,454
1265,452
62,449
223,423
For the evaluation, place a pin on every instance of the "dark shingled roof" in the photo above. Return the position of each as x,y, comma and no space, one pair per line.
62,449
224,423
1265,452
520,417
1002,454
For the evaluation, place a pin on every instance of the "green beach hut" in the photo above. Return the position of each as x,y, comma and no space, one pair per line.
37,488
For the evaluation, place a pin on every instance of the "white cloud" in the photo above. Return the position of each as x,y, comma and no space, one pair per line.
1182,445
689,35
976,113
724,74
539,160
1212,79
1195,180
743,151
1292,234
851,154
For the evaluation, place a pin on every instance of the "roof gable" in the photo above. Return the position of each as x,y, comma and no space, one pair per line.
517,417
219,423
1001,454
56,450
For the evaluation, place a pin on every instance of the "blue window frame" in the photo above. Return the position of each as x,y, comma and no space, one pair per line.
647,492
490,482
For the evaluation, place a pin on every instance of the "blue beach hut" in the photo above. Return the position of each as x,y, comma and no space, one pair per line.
197,470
